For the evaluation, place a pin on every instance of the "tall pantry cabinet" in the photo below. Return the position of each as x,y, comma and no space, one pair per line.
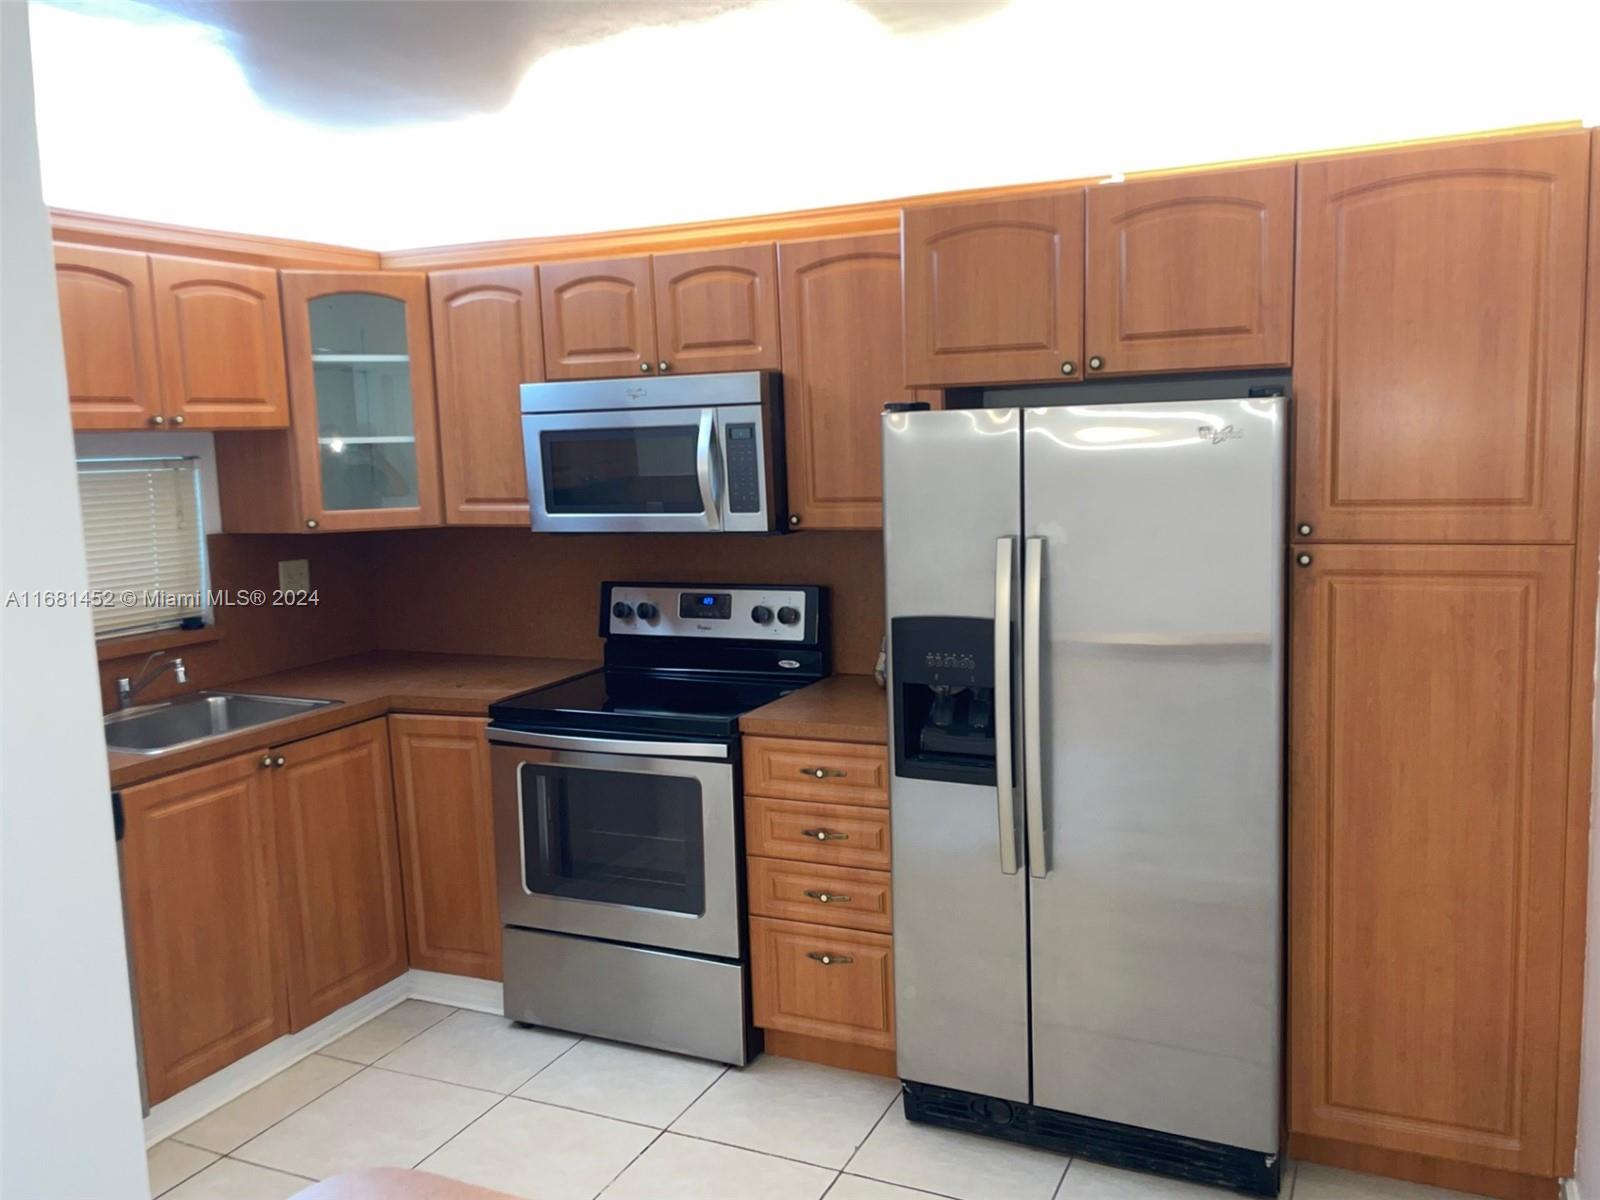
1438,355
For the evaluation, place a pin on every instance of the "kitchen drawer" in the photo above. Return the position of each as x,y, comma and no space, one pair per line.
845,896
792,829
823,982
789,769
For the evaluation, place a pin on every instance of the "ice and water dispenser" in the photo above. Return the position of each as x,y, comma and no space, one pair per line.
944,717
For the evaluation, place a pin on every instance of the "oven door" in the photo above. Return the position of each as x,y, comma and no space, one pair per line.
630,848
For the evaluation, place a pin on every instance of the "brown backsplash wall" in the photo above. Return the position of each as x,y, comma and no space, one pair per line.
260,640
507,591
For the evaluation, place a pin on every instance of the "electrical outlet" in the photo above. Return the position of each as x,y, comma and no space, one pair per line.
294,575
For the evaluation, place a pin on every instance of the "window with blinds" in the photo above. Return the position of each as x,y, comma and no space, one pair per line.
146,542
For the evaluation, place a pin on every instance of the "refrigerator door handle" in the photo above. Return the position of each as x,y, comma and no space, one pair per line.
1004,767
1032,741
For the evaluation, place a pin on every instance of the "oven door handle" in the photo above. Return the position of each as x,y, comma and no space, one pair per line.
703,454
499,736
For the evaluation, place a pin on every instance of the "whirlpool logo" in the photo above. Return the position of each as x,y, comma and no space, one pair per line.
1217,434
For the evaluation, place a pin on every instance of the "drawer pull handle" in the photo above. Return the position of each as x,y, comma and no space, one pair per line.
822,772
828,960
827,897
826,835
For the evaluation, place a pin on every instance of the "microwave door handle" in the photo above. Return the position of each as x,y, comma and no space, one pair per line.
703,450
1032,732
1004,770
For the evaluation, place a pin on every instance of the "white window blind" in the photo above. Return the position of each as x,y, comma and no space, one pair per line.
146,542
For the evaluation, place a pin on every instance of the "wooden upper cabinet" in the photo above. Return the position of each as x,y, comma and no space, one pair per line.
717,310
1190,273
342,911
446,822
200,886
486,345
108,331
1438,312
599,318
842,363
219,328
994,291
1427,841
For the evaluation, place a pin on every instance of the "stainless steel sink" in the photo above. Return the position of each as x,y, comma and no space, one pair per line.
153,728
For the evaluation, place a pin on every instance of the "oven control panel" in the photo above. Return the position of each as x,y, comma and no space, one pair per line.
766,614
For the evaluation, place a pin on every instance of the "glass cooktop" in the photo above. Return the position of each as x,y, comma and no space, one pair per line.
621,703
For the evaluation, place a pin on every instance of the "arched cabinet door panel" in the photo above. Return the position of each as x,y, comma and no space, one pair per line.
599,318
486,345
1438,320
717,310
220,331
1190,273
993,291
108,330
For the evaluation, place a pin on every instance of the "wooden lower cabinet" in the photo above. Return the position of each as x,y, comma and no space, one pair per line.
823,982
446,825
1427,839
343,918
821,917
200,881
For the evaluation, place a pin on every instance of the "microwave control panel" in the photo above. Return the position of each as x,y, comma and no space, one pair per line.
765,614
744,467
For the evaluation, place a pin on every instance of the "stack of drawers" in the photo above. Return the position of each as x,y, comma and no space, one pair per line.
817,840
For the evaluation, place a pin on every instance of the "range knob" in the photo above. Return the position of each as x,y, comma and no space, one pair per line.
622,610
761,614
647,611
788,616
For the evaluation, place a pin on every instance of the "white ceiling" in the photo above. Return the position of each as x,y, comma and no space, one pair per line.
393,123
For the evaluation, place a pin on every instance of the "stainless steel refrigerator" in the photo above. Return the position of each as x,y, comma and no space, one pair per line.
1085,610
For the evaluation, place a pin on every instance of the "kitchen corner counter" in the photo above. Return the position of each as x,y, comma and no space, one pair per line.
840,708
367,685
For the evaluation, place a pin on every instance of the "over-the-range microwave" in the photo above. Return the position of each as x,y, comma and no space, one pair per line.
680,454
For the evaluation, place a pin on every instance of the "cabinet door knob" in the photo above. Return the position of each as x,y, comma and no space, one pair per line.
794,519
1303,529
158,420
827,959
827,897
1096,363
825,835
311,523
664,365
1303,560
1067,368
266,760
278,762
178,420
644,366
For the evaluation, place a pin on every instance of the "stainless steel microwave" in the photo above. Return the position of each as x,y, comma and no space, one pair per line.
681,454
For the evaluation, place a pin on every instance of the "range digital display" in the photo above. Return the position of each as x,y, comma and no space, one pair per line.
715,606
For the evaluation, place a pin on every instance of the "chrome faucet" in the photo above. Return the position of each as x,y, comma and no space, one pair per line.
127,688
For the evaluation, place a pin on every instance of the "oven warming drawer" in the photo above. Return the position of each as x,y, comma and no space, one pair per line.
647,997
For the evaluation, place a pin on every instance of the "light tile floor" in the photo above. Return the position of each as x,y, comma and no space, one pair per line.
547,1116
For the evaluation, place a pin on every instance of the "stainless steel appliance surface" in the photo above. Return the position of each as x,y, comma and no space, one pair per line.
618,829
1085,608
674,454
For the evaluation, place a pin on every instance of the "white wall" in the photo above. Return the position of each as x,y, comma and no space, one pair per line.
69,1097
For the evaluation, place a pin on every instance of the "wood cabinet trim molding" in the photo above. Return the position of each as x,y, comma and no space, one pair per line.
126,233
481,367
1580,760
1494,1102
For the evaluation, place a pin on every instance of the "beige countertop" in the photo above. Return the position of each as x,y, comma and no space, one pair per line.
840,708
367,685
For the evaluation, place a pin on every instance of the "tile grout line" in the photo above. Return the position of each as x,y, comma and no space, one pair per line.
886,1111
229,1153
403,1042
660,1133
417,1165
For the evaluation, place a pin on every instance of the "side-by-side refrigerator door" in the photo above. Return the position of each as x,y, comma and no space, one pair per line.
1156,542
952,558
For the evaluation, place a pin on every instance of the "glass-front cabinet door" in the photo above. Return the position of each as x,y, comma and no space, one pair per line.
361,376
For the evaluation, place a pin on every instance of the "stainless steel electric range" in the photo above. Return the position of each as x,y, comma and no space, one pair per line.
618,827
